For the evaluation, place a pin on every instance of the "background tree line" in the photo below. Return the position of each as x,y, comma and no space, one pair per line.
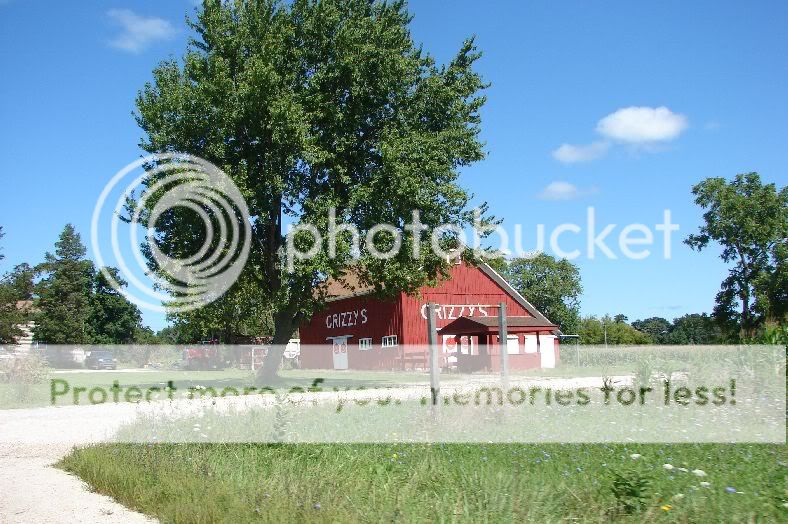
747,218
70,301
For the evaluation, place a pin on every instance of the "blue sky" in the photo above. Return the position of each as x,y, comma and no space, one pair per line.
558,69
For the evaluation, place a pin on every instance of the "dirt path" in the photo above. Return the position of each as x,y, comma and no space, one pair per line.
31,441
33,491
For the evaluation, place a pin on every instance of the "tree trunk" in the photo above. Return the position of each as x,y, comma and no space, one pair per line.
284,325
745,313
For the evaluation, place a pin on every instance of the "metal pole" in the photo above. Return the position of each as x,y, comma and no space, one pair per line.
503,345
432,338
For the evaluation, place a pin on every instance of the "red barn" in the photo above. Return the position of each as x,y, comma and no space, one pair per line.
360,331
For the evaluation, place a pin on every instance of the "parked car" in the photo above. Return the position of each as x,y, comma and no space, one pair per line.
101,360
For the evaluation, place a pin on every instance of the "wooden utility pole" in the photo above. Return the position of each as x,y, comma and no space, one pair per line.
503,343
432,338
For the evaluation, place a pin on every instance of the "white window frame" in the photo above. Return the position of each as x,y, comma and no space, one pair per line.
386,341
364,344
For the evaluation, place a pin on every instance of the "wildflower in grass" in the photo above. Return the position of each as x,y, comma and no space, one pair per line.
666,507
635,456
729,489
698,472
678,496
705,484
668,467
683,470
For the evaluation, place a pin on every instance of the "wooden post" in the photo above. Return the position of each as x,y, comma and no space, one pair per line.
432,337
503,343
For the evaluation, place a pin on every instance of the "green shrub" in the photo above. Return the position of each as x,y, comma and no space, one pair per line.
630,489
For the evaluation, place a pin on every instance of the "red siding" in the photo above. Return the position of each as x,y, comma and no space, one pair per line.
361,317
468,292
467,286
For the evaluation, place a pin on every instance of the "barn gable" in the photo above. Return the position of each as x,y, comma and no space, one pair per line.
473,291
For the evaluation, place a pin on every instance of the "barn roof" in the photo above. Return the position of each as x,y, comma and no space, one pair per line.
349,285
498,279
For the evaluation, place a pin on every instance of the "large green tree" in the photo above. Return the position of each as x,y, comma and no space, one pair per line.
749,220
64,293
552,285
312,105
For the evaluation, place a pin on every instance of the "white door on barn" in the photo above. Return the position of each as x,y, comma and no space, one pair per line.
529,345
513,344
339,350
547,350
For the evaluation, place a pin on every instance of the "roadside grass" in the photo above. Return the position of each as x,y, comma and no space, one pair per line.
195,483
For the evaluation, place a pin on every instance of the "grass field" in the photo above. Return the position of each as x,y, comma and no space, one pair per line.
193,483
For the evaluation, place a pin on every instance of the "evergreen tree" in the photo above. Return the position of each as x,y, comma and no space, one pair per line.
64,294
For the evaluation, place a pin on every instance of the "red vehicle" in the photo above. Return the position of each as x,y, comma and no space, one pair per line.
203,357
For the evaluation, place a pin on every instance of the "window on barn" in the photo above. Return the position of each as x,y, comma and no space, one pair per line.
364,344
390,341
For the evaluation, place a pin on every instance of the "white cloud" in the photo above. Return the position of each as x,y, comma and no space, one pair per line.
642,125
138,32
569,154
563,191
